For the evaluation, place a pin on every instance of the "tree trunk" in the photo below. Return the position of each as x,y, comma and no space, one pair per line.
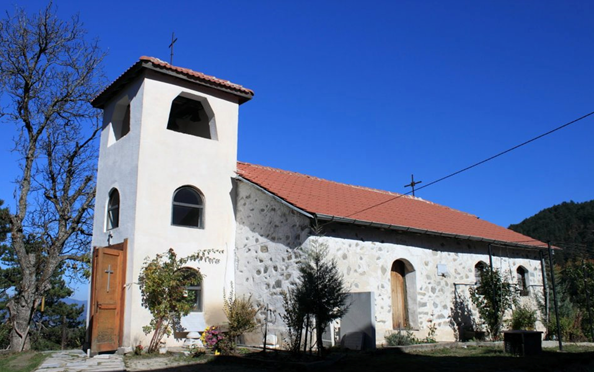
306,331
156,337
21,313
319,332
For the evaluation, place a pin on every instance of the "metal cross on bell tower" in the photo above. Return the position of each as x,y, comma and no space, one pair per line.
173,40
413,183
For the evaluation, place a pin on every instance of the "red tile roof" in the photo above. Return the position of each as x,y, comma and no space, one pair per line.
199,75
330,200
156,64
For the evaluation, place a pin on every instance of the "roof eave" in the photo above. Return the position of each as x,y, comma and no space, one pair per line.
115,87
135,70
421,231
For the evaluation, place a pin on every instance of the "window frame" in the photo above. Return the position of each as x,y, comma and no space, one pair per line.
200,207
109,221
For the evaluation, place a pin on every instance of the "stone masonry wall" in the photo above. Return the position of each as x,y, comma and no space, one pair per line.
270,234
268,238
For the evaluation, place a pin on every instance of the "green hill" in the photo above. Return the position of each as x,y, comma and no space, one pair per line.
568,225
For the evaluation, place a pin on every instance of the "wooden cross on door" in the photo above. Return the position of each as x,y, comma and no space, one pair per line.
109,271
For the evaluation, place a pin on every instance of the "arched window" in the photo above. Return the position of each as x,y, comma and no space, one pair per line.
113,210
193,291
479,268
188,208
522,275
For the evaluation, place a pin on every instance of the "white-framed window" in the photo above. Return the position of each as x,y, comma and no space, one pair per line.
113,210
187,208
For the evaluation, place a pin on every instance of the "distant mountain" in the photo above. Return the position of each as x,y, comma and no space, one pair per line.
568,225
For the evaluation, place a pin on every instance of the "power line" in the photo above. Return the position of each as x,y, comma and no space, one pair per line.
476,164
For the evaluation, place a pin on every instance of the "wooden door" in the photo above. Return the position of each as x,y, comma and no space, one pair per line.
399,314
107,297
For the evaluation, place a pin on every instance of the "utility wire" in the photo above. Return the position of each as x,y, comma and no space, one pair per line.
475,164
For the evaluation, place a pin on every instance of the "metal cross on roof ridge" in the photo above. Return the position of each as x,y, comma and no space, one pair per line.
412,184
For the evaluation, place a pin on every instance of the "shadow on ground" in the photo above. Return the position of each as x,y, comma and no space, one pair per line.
391,359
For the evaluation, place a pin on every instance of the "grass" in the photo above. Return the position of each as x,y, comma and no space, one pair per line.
21,362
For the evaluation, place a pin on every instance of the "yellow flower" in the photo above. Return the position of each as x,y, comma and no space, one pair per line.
217,352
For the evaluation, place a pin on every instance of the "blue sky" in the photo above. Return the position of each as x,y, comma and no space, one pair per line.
369,92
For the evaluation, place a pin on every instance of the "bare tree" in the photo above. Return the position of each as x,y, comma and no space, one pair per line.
48,73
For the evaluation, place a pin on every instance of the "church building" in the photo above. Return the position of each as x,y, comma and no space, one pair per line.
168,177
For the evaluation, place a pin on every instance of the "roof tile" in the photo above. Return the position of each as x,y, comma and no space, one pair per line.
323,197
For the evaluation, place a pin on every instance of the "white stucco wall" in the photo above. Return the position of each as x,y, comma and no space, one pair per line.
147,166
269,233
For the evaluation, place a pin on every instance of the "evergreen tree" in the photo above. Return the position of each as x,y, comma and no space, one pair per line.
568,225
319,296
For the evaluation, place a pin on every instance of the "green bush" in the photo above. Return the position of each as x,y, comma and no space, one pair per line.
523,317
401,339
241,314
570,326
493,296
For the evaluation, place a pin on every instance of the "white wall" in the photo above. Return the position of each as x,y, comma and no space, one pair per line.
147,166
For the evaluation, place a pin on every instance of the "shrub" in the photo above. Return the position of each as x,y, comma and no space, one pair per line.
570,326
430,339
523,317
197,351
138,349
493,296
241,314
401,339
163,283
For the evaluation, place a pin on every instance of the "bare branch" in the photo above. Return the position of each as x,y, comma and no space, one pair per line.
49,73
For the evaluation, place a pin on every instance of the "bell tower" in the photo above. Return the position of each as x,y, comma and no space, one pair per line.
167,161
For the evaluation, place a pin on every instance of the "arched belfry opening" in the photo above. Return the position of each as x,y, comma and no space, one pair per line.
192,115
404,295
120,120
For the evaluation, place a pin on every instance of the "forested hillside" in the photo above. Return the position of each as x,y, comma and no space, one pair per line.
568,225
